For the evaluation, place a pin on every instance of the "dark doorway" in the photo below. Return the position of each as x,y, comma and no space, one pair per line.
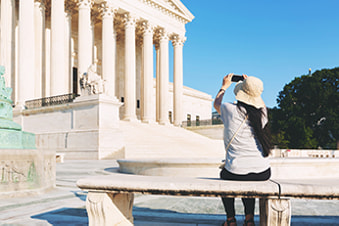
75,81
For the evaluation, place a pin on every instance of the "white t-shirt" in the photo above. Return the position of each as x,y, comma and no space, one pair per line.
244,154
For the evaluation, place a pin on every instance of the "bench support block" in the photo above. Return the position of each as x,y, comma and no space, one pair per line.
109,208
275,212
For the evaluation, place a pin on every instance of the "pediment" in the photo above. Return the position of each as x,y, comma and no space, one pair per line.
177,7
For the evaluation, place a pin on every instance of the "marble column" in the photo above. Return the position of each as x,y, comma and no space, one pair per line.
147,107
157,75
163,79
46,88
177,79
84,38
39,21
130,69
58,80
108,50
7,39
26,83
68,48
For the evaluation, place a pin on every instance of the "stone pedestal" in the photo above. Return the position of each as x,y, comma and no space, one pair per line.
87,128
275,212
24,170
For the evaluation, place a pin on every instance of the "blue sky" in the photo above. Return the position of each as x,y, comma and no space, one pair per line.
273,40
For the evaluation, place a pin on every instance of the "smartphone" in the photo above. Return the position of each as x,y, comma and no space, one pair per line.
237,78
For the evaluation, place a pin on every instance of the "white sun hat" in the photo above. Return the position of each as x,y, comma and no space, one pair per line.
249,92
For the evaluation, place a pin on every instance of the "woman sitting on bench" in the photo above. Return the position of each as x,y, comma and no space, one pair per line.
246,138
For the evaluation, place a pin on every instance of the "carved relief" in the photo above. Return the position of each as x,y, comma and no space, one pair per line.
17,172
275,212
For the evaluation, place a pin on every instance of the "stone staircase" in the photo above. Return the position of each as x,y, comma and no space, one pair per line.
158,141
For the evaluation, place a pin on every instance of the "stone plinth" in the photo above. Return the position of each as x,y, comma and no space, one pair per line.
16,139
26,172
87,128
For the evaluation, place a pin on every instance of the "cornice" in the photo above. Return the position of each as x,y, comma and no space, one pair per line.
168,11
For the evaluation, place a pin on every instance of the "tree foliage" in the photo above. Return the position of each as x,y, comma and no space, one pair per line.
308,112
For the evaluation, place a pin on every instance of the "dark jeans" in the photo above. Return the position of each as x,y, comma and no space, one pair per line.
249,203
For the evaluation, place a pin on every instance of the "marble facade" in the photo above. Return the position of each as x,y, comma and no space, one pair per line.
47,45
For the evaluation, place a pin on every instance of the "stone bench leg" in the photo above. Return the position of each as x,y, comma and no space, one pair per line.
275,212
109,208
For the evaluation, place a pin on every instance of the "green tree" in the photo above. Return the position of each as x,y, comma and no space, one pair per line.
308,111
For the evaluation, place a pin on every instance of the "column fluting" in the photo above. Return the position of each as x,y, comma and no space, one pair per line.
130,72
163,78
26,83
84,38
108,50
59,84
177,79
147,105
39,22
7,39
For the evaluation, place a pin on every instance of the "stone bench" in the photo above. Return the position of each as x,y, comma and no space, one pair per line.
110,197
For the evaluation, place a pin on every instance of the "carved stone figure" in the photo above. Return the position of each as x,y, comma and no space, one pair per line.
91,82
5,92
94,80
84,85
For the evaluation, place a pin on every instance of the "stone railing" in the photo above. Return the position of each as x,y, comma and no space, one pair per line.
205,122
49,101
305,153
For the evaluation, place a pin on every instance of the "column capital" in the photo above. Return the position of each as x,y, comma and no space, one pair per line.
40,1
85,3
163,35
70,7
147,28
41,4
129,20
178,40
107,10
156,45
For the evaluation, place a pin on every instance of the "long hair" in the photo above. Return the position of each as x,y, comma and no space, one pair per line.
262,134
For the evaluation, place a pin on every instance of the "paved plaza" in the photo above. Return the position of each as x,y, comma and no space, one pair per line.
65,205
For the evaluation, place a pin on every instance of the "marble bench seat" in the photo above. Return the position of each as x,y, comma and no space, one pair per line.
110,197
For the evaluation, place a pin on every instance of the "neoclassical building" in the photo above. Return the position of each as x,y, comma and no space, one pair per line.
116,48
47,45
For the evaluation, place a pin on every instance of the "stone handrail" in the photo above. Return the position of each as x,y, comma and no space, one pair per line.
110,197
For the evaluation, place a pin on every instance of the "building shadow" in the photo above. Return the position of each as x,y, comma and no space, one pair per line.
65,217
78,217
